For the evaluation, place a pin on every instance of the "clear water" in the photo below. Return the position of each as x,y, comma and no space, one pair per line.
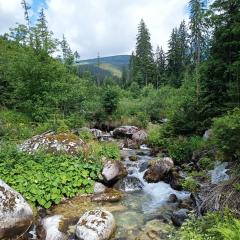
140,214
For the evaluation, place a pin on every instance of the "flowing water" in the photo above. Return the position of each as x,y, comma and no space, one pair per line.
144,213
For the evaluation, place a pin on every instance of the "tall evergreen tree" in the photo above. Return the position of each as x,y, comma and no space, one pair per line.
67,55
160,60
144,65
220,74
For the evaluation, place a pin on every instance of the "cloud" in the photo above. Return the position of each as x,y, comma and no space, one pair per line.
110,27
11,12
105,26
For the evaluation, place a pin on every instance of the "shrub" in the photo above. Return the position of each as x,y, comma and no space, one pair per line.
158,135
206,163
45,179
181,149
214,226
226,132
189,184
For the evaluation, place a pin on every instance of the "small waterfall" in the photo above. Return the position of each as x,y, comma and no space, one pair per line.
218,174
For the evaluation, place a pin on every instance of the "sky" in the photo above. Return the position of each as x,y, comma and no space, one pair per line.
107,27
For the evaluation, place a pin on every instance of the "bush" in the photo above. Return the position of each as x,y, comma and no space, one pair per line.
45,179
158,135
181,149
226,132
189,184
214,226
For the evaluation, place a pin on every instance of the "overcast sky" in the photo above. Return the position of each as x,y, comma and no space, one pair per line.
105,26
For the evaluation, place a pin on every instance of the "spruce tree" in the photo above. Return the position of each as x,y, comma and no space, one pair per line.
160,60
144,62
220,74
67,55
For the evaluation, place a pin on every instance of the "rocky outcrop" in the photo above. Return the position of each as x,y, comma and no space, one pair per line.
125,131
96,133
51,227
139,137
113,171
179,217
95,225
16,215
158,170
53,143
129,184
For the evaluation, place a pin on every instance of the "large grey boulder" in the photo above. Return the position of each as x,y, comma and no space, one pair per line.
16,215
158,170
99,188
125,131
51,142
96,225
179,217
139,137
113,171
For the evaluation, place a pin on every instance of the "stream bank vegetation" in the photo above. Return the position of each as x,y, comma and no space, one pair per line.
175,95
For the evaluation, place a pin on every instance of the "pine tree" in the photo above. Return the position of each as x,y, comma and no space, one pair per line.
160,60
76,56
144,62
43,38
26,8
67,55
220,75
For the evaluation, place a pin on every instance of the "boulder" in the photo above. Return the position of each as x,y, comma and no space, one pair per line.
99,188
129,184
124,131
96,225
172,198
113,171
16,215
140,137
110,195
51,227
179,217
53,143
129,143
158,170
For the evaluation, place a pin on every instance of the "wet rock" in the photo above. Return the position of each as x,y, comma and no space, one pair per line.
179,217
99,188
154,230
143,166
133,158
129,184
158,170
95,225
53,143
16,215
140,137
110,195
124,131
129,143
186,203
172,198
113,171
51,227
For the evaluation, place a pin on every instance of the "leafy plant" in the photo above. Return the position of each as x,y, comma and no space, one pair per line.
45,179
189,184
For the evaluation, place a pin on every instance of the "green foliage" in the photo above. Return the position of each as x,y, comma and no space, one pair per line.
181,149
226,131
110,99
157,135
213,226
206,163
45,179
189,184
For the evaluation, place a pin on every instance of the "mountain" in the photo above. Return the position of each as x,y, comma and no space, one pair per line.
108,66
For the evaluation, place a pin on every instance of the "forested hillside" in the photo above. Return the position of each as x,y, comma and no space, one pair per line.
184,103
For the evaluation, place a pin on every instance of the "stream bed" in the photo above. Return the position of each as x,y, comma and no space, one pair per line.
143,213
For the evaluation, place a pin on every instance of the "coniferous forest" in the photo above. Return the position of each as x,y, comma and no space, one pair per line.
152,153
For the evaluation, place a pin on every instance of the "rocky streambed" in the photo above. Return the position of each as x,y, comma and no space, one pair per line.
141,210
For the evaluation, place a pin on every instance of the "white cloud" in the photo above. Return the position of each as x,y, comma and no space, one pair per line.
105,26
110,27
10,13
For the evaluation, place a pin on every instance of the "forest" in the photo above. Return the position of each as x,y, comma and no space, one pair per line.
175,113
